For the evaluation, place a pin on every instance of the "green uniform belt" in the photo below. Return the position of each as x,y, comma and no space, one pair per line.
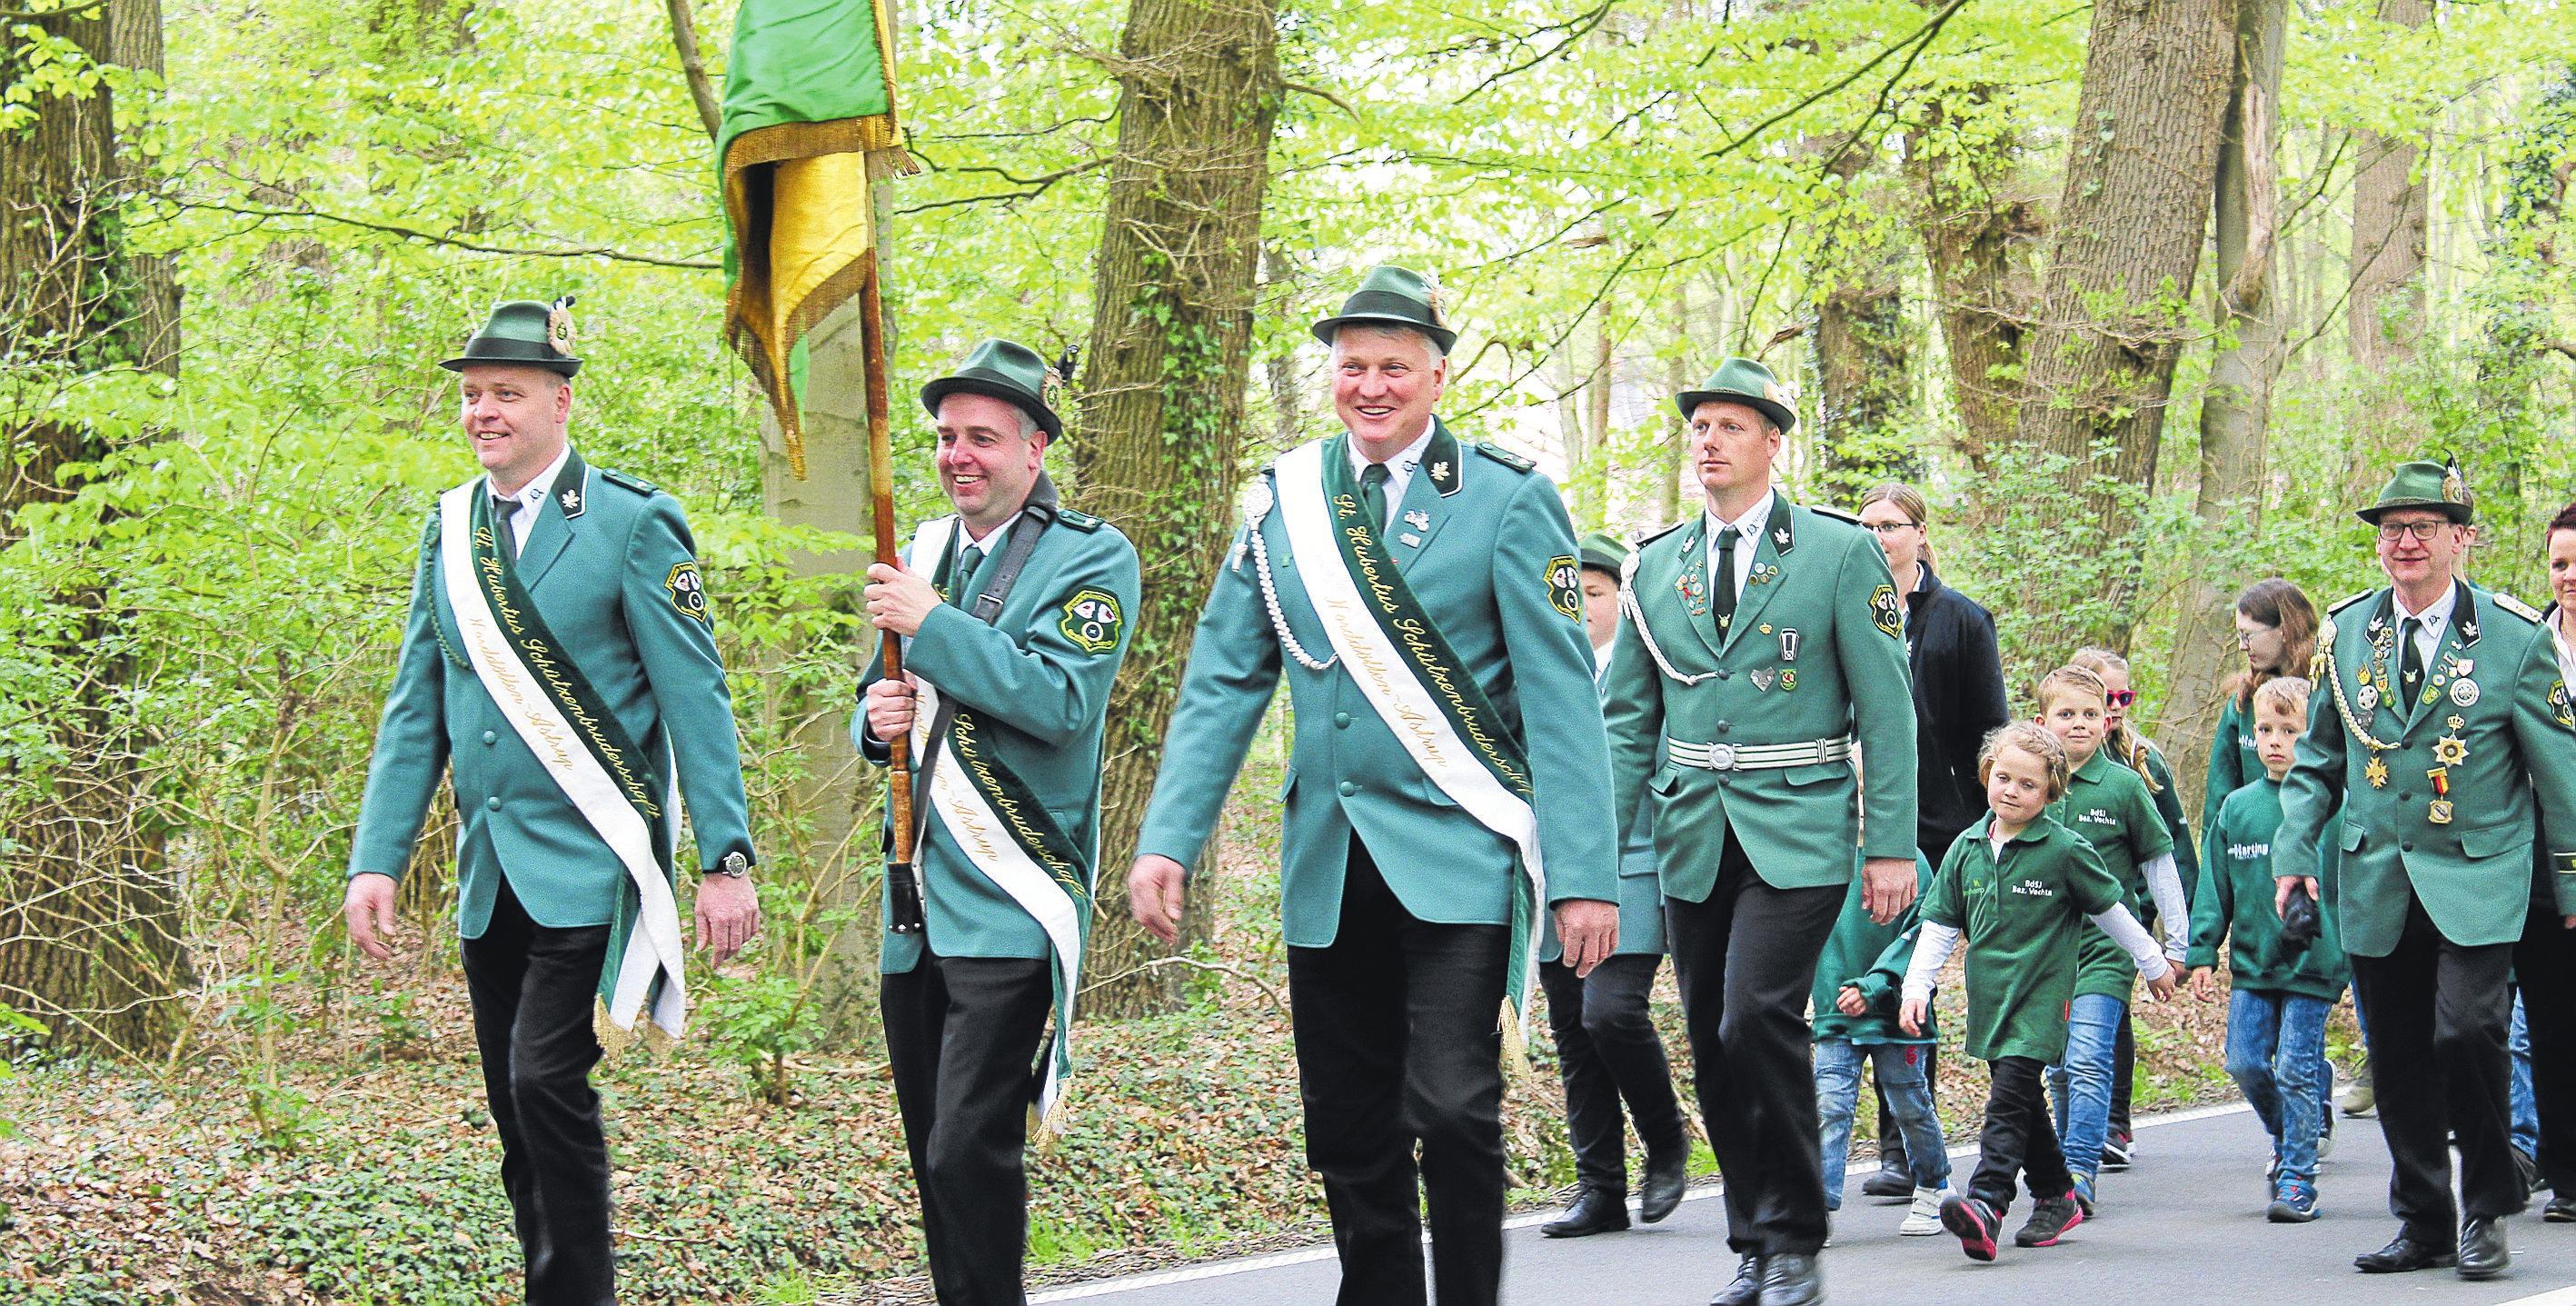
1756,757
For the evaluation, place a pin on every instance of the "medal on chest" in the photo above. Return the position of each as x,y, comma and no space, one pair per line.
2375,771
2440,811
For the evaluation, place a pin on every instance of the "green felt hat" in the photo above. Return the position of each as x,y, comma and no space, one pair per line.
2422,485
1604,550
1002,369
523,332
1395,297
1743,381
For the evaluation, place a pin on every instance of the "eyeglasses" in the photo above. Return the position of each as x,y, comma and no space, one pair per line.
1886,527
2122,697
2391,532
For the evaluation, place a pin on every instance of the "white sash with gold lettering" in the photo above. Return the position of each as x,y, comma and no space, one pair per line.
1386,678
653,946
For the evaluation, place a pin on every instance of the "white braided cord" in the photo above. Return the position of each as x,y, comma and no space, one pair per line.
1270,592
1645,634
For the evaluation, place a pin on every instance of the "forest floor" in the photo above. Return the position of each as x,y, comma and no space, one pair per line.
362,1168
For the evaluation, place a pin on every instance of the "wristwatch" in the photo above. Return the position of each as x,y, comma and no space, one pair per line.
735,865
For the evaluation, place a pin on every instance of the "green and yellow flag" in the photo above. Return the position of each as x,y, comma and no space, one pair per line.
808,121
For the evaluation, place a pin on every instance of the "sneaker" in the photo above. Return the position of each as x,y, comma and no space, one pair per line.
2117,1151
2293,1203
2084,1193
1975,1223
1923,1219
2050,1218
2325,1140
2358,1100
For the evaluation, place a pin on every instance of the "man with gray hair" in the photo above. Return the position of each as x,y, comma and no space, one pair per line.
1424,599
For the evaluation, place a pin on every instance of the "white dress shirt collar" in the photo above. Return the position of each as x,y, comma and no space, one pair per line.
1399,469
531,498
1749,527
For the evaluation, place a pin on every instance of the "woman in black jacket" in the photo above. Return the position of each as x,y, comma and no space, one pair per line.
1958,697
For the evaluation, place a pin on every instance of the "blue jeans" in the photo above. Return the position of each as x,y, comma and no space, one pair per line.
1901,1085
2526,1104
2275,1042
2080,1083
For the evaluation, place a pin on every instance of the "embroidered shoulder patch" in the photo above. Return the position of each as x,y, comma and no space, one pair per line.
1883,612
689,593
1565,585
1091,620
2559,706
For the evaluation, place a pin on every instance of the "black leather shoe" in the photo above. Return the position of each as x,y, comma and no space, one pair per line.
2528,1167
1595,1210
2483,1254
1667,1178
1888,1183
2561,1210
2403,1255
1747,1288
1792,1279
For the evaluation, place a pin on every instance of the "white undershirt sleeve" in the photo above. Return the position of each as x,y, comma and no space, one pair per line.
2164,884
2125,930
1932,950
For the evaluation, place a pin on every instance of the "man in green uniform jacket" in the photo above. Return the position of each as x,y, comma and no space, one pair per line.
1447,784
1607,1049
1014,614
575,590
2441,728
1763,647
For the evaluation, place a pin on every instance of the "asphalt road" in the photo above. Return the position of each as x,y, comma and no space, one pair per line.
2184,1226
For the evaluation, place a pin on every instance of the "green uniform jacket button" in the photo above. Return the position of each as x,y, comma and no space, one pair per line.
491,737
1724,674
1726,727
1342,720
1348,788
491,804
2408,845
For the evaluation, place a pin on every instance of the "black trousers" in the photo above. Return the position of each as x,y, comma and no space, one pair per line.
2544,964
963,1035
2020,1138
1399,1043
1745,960
533,988
1607,1050
1891,1139
2437,1014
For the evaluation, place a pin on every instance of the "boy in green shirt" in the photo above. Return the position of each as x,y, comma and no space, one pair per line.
2283,989
1854,999
2019,887
2108,806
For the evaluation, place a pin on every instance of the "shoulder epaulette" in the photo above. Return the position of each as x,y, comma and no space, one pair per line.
1652,536
2515,606
636,483
1836,513
2350,601
1078,519
1504,456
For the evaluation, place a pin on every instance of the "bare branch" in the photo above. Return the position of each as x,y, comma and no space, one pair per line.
684,36
433,238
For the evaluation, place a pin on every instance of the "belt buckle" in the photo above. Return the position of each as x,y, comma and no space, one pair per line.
1721,757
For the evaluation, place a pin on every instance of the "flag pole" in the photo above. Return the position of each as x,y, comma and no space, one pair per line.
903,881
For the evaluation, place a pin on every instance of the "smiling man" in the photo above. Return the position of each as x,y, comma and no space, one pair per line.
1762,650
560,665
1014,611
1446,785
2441,727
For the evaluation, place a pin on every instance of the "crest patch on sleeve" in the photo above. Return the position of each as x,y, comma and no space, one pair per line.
2560,706
1091,620
689,593
1884,614
1565,585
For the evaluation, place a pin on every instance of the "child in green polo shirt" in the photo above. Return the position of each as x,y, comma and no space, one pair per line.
2283,990
2019,887
1855,1025
2108,805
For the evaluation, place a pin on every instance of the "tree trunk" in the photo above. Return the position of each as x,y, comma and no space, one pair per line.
1864,359
1589,477
1672,466
2116,304
91,933
1978,236
1158,451
2519,344
2236,411
2385,307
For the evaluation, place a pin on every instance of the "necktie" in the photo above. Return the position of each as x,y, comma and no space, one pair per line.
1724,603
968,559
2410,661
505,510
1373,494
